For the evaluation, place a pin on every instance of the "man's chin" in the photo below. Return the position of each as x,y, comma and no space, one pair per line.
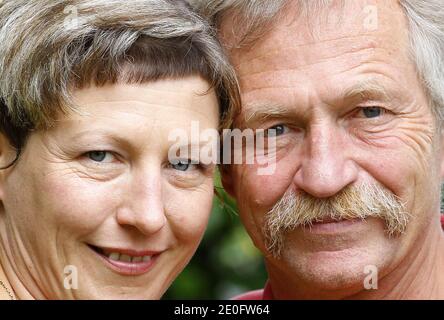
334,270
338,257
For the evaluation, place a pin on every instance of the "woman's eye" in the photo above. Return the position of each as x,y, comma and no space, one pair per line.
372,112
99,156
276,130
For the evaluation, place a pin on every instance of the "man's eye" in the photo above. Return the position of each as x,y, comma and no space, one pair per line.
276,130
372,112
182,165
100,156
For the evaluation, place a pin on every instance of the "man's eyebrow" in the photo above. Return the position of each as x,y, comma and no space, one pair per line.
262,111
257,112
367,90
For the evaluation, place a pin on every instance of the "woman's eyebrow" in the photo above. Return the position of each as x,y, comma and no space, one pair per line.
94,133
99,135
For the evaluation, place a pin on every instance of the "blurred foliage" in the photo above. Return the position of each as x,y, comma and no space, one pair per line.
226,263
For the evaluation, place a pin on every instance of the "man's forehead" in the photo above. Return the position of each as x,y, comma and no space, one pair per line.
377,19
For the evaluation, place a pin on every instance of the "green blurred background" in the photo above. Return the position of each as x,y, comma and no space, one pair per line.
226,263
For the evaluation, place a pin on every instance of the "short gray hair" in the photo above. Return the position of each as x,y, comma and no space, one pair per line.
425,18
50,47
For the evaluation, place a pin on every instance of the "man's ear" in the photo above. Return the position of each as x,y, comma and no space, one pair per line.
227,180
441,149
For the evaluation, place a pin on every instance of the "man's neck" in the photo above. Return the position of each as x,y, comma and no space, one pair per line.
420,275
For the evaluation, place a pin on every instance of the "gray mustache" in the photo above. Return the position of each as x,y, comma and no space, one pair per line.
362,201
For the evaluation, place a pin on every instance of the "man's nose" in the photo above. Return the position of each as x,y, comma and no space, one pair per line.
144,207
326,165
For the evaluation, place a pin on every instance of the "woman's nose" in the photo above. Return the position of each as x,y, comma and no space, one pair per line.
144,208
326,165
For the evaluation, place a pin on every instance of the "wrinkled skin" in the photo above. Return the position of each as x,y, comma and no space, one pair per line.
319,88
57,200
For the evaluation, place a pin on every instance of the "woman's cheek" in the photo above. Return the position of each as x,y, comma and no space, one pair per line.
188,212
78,205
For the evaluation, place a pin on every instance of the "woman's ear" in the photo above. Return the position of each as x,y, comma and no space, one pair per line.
7,156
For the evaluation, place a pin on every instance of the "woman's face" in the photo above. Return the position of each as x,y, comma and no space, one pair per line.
95,203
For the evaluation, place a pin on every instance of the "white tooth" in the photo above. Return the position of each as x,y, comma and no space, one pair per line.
125,258
146,258
114,256
137,259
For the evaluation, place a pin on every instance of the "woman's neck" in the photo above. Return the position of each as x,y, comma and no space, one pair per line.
6,291
11,280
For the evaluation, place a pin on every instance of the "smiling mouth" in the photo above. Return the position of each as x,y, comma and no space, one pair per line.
333,226
117,255
331,220
126,261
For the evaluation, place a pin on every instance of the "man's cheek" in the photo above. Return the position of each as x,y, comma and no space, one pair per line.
265,190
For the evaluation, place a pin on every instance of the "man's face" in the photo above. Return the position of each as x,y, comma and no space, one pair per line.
349,111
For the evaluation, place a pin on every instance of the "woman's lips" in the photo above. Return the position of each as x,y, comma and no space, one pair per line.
126,261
